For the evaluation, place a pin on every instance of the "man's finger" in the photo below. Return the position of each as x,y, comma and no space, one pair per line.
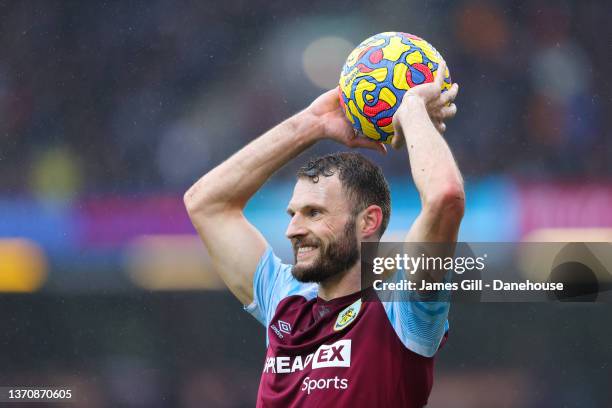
398,141
448,112
441,72
351,135
450,95
368,144
378,146
441,126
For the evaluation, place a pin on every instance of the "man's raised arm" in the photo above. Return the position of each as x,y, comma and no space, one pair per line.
419,123
216,201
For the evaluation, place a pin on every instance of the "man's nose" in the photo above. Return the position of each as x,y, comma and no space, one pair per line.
296,227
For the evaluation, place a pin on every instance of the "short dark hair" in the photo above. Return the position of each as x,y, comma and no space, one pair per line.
361,179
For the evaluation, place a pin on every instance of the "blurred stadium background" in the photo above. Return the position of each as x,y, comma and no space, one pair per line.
110,110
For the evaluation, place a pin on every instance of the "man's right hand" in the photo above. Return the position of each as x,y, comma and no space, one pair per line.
326,112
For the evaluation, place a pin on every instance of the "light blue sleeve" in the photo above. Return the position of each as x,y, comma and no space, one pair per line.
420,325
272,283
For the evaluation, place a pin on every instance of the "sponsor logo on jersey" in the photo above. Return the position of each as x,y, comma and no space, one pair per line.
311,384
284,327
347,316
337,354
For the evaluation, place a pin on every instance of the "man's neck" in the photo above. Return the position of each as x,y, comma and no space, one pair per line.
343,284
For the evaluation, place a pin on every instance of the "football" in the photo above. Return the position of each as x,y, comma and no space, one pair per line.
378,73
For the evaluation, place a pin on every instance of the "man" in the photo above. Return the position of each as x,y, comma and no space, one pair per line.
327,346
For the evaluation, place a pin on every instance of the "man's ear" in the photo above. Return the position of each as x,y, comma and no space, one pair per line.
370,220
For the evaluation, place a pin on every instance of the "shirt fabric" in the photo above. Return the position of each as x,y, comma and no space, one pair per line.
351,351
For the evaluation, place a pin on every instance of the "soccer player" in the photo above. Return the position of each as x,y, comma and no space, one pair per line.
326,346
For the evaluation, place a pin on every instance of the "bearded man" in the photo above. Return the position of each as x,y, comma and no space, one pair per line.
330,342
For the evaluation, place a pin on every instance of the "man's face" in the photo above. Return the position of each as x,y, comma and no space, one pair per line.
321,230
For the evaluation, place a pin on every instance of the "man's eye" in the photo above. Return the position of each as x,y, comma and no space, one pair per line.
314,213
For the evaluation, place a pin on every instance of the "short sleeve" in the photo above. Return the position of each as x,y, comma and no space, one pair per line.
420,325
272,283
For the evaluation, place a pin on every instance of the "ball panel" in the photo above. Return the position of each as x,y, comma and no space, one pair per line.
395,49
399,77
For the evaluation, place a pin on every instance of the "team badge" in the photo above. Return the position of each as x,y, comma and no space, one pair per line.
347,316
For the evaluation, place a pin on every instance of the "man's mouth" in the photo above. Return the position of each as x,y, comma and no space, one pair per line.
305,251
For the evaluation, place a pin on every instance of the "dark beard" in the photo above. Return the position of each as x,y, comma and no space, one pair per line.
339,256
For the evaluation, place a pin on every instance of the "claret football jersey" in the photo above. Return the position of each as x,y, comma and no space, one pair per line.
352,351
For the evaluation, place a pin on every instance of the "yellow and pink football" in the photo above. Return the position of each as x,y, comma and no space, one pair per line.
378,73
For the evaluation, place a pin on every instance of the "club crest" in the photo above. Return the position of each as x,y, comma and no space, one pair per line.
346,316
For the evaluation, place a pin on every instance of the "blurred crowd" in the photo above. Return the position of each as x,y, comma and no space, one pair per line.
126,97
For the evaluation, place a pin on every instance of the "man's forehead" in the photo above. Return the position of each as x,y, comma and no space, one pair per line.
326,191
